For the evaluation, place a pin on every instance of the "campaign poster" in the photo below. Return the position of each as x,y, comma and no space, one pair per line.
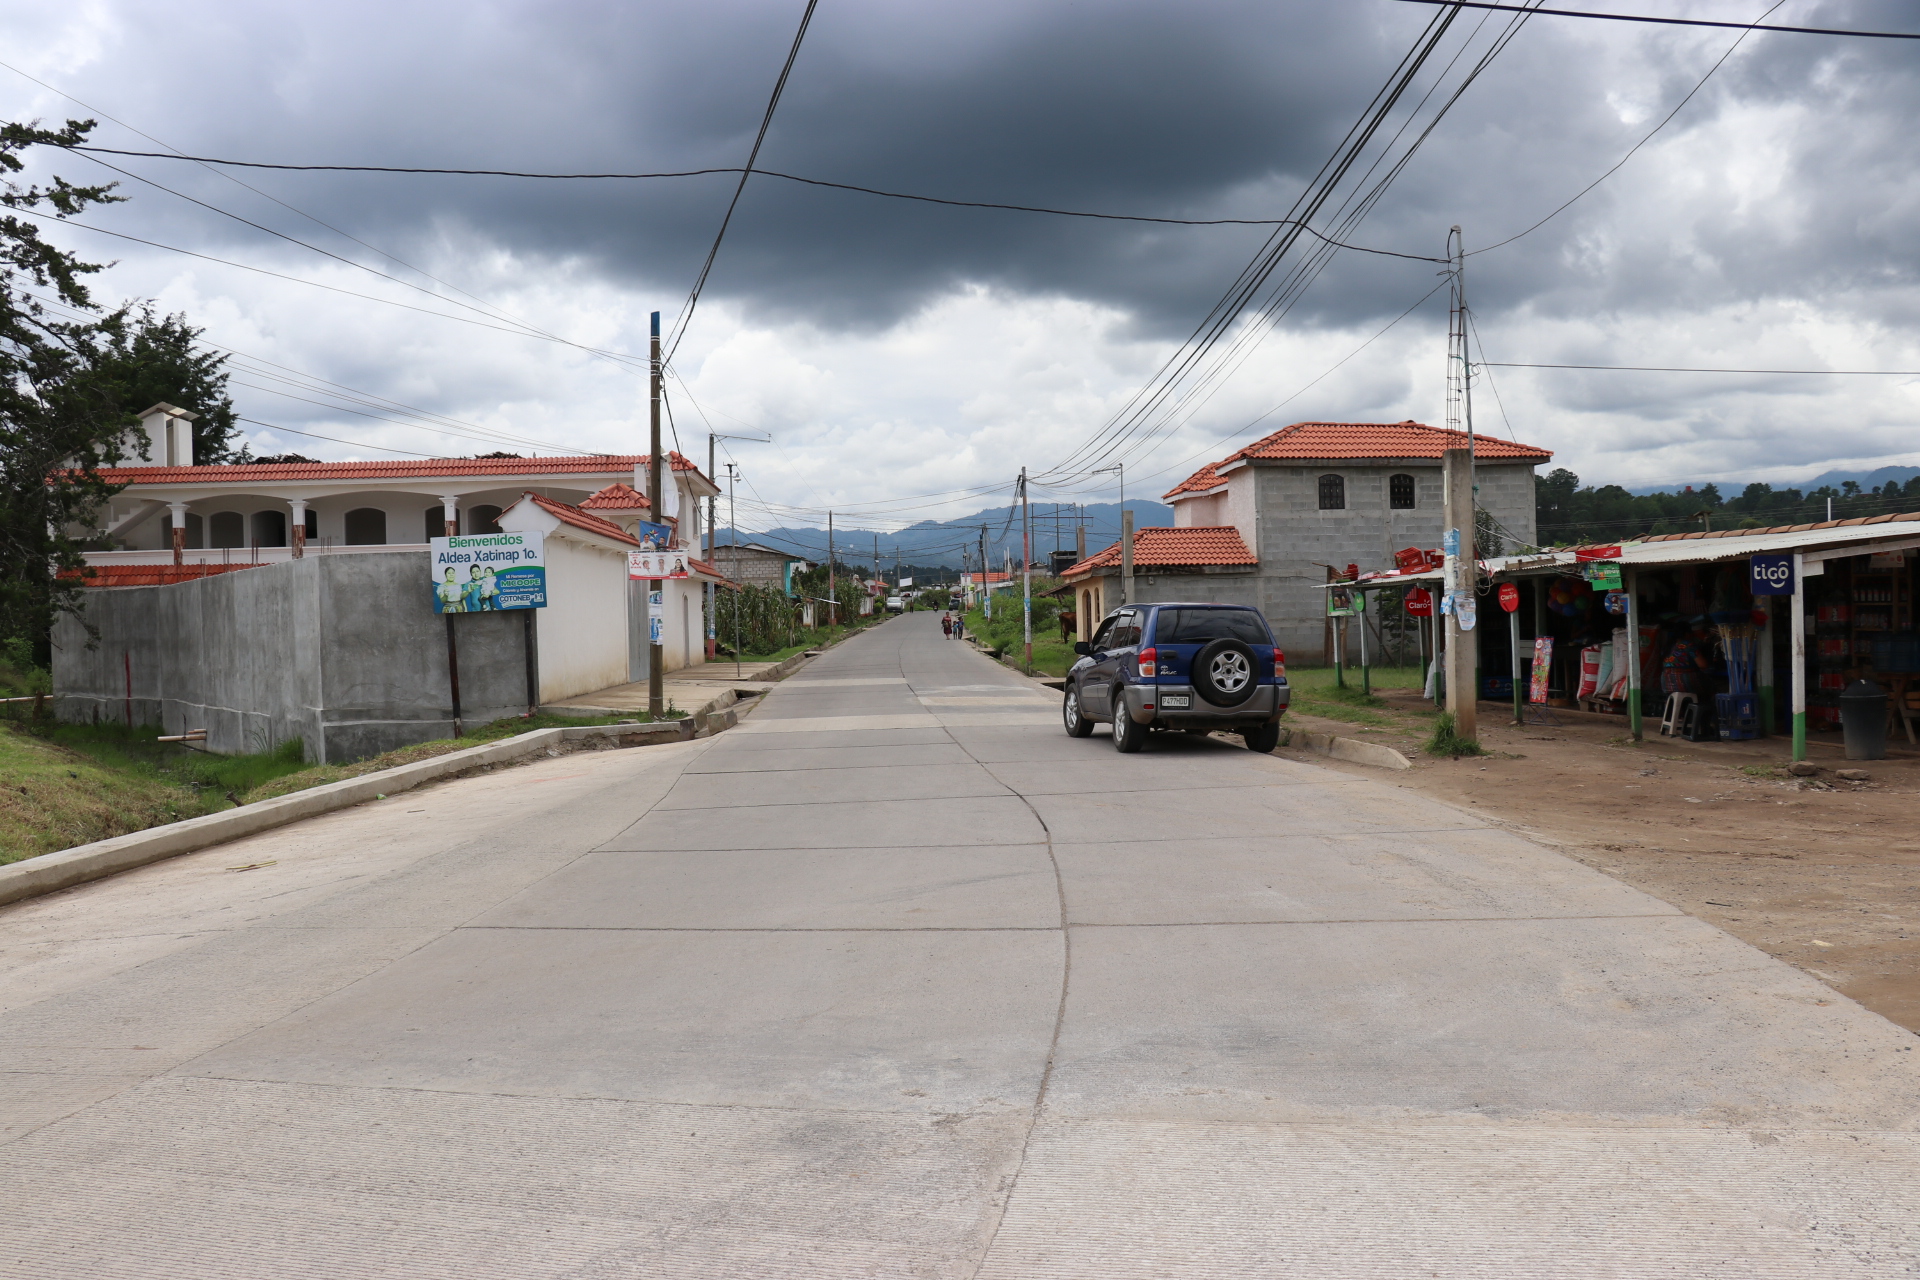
649,566
653,537
489,572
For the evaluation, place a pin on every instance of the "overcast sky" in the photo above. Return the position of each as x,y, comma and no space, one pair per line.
897,349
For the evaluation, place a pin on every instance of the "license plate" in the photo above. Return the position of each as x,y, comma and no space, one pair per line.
1176,700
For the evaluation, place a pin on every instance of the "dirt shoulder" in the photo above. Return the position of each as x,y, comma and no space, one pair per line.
1819,872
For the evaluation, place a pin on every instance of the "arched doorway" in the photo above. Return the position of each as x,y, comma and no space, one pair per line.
366,527
269,528
437,521
483,519
226,529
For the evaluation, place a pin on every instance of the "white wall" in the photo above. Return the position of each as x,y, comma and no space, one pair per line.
583,629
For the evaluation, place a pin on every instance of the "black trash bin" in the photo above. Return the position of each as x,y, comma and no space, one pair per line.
1863,720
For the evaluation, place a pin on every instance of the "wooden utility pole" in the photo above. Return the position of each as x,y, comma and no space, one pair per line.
656,691
1026,569
1126,556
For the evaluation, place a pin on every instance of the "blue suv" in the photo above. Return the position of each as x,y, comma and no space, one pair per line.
1193,667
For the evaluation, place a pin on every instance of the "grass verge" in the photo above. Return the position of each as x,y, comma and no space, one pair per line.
1051,657
68,785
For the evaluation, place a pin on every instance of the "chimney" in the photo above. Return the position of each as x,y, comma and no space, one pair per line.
169,436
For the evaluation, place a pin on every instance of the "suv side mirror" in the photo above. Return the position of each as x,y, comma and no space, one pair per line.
1082,648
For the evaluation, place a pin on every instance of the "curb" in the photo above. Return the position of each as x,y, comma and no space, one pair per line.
1352,750
51,872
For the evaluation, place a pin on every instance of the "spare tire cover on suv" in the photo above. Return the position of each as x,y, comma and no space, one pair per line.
1226,672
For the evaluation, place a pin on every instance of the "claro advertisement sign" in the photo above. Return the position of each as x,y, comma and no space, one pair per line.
489,572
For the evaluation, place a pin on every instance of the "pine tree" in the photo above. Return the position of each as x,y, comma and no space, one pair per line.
60,421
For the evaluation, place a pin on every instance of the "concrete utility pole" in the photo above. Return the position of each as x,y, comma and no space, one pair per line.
833,599
986,596
656,693
1026,569
1457,541
733,543
1126,556
1079,541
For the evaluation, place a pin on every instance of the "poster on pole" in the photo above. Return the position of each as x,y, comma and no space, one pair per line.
656,616
653,537
488,572
1344,602
1542,669
651,565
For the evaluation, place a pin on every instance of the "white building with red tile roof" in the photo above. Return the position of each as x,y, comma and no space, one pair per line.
263,512
1259,526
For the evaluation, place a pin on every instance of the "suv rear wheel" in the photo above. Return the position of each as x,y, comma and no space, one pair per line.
1263,738
1128,737
1078,726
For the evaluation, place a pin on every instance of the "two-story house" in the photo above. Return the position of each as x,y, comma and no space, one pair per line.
1311,495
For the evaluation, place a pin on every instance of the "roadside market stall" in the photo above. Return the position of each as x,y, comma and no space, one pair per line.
1702,629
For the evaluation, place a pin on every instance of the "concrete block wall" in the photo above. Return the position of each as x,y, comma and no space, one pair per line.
1296,538
342,652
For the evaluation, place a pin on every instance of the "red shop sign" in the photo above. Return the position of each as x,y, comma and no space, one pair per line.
1420,603
1509,597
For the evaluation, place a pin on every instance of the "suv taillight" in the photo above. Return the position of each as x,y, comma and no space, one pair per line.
1279,665
1149,662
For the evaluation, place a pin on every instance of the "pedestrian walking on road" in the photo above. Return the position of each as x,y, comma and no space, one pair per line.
958,627
946,625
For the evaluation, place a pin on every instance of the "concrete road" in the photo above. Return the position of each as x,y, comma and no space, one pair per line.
898,980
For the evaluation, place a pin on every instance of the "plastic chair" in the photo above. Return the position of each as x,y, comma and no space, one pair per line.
1675,714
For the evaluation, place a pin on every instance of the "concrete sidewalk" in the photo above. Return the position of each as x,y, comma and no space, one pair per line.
896,979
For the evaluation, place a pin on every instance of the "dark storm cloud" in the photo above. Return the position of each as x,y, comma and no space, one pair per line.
1185,110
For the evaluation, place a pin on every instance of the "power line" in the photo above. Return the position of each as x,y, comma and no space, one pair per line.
766,122
175,153
1660,368
789,177
367,297
428,419
1675,22
1152,412
271,426
1631,151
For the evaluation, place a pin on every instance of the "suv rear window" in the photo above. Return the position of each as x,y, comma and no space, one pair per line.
1197,626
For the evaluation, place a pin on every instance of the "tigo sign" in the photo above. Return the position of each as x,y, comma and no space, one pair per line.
1771,575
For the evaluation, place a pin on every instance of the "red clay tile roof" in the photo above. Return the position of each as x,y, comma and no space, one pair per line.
617,497
1337,441
1205,544
424,467
150,575
682,463
1207,477
567,513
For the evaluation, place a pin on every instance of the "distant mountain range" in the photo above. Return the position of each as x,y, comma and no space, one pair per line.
1868,480
941,542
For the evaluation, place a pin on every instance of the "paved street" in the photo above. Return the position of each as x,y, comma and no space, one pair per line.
896,979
